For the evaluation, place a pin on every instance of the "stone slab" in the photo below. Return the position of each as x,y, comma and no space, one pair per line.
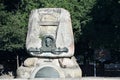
50,21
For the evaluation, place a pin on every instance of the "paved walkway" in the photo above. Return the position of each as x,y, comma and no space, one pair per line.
83,78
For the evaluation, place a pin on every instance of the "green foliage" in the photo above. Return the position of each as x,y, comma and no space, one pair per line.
95,22
12,33
14,18
12,29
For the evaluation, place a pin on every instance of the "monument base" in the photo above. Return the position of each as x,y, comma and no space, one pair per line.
49,68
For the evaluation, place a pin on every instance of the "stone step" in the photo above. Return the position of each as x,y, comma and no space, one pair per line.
83,78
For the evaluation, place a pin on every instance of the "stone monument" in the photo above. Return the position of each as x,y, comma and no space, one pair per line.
51,43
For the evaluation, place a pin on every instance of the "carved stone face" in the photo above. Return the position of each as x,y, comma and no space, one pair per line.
48,42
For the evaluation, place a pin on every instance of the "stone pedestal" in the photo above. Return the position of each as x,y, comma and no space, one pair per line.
64,67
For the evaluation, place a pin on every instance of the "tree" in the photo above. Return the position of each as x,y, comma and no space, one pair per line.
12,29
104,28
16,15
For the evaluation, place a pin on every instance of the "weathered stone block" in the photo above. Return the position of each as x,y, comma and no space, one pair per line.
50,21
